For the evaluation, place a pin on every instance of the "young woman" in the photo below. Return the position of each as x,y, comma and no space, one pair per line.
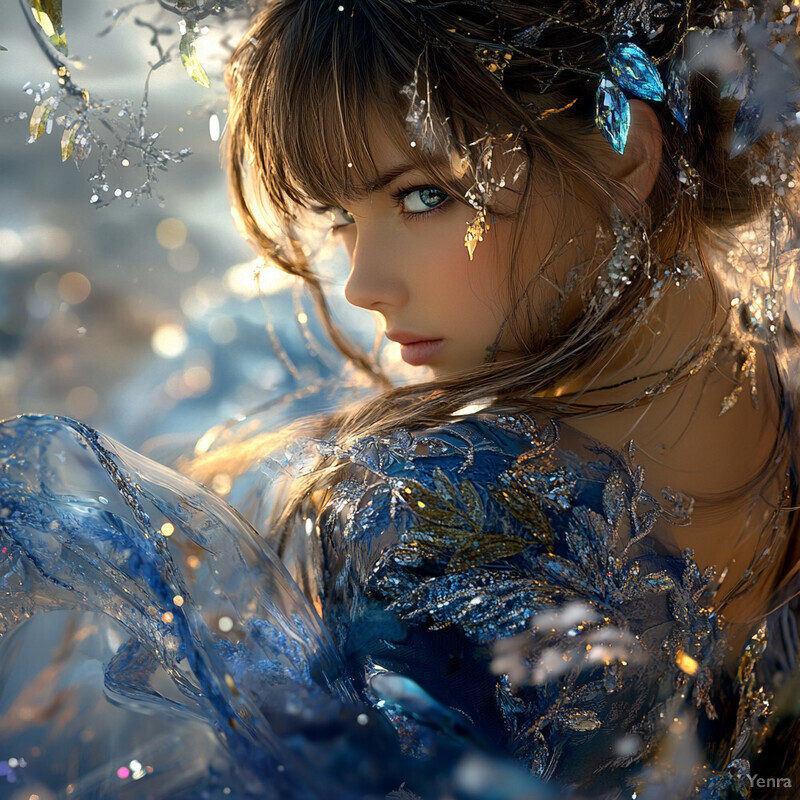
562,562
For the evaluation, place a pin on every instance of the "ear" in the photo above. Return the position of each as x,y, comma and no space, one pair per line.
638,168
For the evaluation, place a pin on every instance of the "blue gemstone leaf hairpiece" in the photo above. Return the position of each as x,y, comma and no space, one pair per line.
635,72
678,98
613,114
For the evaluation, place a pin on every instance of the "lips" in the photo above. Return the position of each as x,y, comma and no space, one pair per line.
415,350
419,353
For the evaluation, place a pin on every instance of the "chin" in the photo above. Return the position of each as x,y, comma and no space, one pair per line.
443,373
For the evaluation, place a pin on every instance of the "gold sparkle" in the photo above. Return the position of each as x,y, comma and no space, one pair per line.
686,662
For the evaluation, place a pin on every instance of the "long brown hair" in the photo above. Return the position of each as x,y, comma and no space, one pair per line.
310,77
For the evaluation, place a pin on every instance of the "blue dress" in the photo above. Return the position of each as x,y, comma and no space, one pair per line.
490,609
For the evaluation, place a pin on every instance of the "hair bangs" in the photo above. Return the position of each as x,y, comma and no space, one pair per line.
313,100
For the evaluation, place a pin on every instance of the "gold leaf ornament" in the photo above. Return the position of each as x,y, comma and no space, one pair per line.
48,14
68,142
489,548
40,117
189,56
475,231
523,504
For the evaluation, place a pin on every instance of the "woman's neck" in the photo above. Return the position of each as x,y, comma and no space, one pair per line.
681,327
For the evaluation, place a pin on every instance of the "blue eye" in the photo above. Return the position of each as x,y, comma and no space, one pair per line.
418,201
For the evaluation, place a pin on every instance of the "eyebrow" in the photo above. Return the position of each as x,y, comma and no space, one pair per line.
372,185
381,181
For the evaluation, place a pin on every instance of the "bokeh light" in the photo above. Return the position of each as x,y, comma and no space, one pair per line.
74,288
222,329
169,340
10,245
171,233
184,258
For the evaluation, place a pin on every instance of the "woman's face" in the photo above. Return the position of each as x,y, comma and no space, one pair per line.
405,240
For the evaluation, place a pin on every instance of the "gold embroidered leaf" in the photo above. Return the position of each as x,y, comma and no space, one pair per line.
524,506
189,58
445,510
487,549
444,486
48,14
473,503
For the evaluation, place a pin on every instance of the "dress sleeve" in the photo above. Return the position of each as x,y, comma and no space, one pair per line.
528,597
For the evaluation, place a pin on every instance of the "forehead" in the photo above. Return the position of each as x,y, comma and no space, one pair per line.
370,159
390,156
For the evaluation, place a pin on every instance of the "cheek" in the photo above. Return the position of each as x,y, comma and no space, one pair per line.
476,282
441,257
489,270
477,287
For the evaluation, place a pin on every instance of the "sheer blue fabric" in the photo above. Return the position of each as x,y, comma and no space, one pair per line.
493,617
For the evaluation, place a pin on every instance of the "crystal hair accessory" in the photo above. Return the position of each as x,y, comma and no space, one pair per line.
659,53
635,49
632,72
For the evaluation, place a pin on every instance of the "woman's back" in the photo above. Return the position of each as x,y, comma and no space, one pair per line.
720,441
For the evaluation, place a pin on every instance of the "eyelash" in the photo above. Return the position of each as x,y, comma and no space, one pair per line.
398,197
400,194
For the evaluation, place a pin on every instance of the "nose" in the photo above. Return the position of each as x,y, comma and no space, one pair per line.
377,279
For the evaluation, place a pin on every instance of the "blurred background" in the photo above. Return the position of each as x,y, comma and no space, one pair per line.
139,315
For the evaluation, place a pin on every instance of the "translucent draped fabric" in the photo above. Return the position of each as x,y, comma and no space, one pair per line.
497,613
